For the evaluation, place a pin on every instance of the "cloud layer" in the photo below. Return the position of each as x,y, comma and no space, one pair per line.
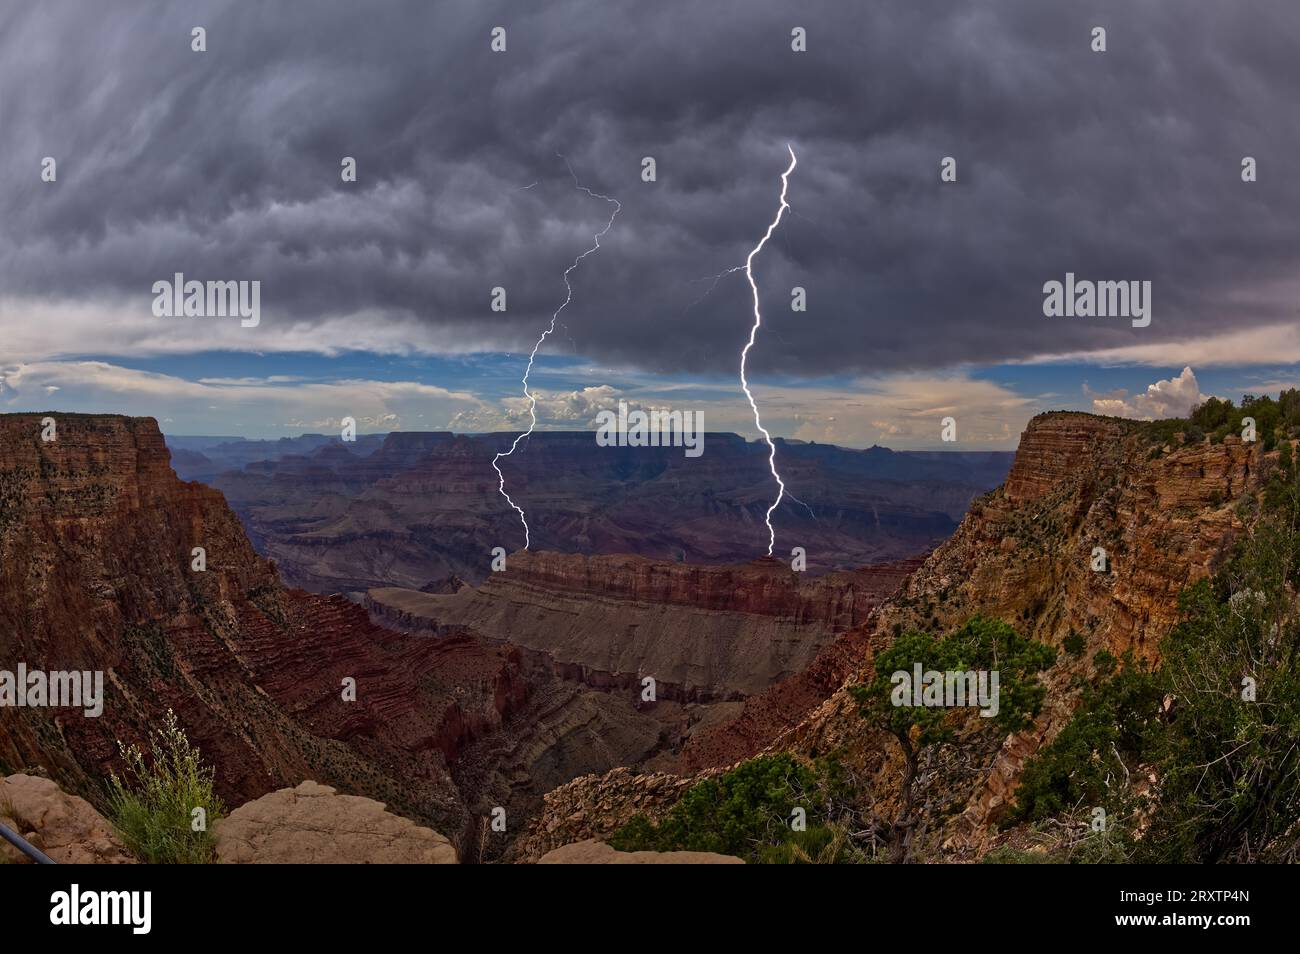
262,407
225,165
900,411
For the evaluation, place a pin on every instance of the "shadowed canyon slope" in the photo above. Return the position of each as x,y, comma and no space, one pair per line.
710,638
425,506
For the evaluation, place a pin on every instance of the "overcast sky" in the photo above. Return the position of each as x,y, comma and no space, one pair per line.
1122,165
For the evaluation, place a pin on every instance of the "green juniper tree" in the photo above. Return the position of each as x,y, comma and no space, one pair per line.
921,731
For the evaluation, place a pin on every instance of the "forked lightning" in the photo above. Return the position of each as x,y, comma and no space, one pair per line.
753,332
532,400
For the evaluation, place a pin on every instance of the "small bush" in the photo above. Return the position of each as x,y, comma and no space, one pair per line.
744,811
819,845
1084,764
151,805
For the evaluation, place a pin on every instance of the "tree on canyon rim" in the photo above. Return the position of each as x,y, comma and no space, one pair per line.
924,732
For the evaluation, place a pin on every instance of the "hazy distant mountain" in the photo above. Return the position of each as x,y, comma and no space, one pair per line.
426,505
218,454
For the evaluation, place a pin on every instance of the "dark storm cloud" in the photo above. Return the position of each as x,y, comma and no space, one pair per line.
1122,165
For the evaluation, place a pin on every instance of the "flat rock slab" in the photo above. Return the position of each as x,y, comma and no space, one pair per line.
63,826
592,852
313,824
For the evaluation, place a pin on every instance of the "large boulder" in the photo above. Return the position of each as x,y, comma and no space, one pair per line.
592,852
63,826
313,824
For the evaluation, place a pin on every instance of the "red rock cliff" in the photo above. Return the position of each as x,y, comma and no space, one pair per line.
96,537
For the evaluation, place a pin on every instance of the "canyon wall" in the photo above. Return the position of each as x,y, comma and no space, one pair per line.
96,543
705,633
1165,517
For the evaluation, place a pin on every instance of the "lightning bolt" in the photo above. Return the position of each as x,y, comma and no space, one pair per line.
753,333
555,317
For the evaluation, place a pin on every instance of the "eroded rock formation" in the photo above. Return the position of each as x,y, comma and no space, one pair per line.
1024,553
97,572
704,633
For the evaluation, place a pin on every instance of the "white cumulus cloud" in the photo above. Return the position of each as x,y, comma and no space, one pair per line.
1173,397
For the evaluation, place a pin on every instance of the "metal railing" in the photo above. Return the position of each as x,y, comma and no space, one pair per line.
25,846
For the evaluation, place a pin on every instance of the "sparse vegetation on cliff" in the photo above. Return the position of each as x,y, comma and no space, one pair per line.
749,812
153,804
1230,756
1216,418
1084,766
926,734
1216,727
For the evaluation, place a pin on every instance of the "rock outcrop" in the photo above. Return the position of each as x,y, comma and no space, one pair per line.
313,824
65,827
592,852
596,806
1025,553
1081,482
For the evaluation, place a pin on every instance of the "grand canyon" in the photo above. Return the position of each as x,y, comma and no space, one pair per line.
519,694
676,433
